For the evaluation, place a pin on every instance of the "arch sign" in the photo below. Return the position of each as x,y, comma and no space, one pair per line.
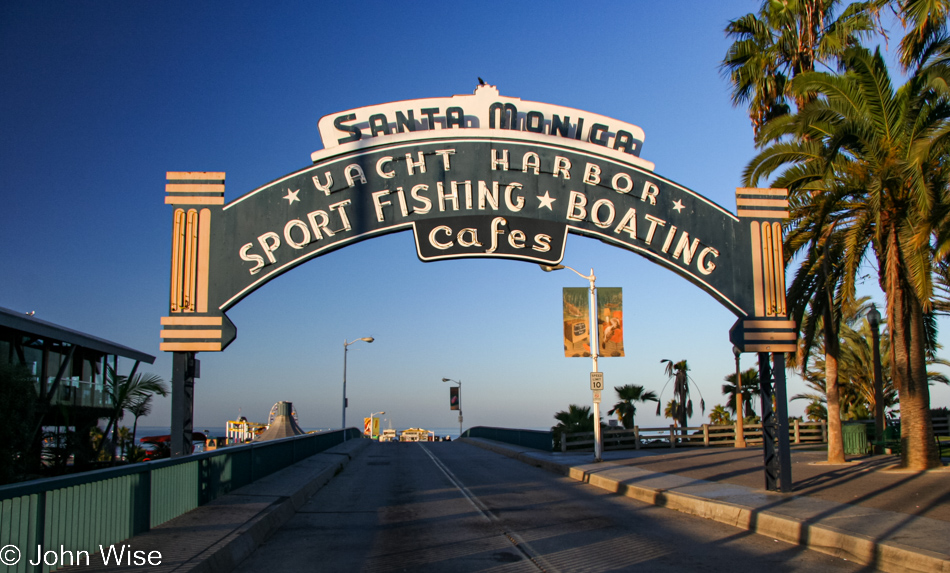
479,175
472,176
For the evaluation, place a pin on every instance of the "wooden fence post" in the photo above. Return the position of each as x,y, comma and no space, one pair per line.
636,437
706,435
798,432
824,432
672,436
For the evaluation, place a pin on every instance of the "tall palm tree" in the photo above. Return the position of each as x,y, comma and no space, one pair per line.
750,389
784,39
626,408
884,149
682,403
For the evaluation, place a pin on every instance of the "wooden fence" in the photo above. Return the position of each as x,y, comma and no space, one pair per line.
941,425
672,437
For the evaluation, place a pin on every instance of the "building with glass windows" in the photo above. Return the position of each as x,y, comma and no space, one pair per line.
71,369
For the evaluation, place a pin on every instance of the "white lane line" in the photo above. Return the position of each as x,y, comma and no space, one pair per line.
515,539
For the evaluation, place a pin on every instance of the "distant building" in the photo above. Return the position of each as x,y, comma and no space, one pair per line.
69,366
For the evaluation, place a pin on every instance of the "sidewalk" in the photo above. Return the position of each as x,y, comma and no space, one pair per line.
216,537
866,511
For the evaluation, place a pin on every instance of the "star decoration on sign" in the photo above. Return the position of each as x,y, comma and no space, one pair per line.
546,201
292,196
678,205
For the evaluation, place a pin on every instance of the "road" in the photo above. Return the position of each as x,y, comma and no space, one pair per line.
449,506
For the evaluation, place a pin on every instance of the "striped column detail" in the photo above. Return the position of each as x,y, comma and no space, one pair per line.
766,335
765,208
194,188
762,203
191,333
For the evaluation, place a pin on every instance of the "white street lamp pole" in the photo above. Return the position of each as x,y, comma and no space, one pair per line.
345,350
594,350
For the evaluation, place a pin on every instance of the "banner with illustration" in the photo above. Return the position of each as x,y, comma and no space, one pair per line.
371,427
610,321
454,403
576,322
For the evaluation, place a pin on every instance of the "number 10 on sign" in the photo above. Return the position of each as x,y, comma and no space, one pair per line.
596,381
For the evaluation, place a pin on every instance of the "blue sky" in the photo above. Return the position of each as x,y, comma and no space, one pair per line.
100,99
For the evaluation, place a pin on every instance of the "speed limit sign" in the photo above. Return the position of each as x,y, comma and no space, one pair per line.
596,380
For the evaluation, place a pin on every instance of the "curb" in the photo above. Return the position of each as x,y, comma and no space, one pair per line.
887,556
225,555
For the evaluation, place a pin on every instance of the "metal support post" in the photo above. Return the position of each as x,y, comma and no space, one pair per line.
776,449
184,372
781,411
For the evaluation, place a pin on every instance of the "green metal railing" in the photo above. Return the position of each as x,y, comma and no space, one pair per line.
82,511
537,439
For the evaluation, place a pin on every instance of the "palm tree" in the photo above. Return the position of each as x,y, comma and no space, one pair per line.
626,408
669,411
719,416
141,407
784,39
574,419
816,411
882,148
125,392
750,389
682,403
926,22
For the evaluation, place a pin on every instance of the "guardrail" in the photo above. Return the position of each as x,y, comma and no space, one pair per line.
80,512
537,439
672,437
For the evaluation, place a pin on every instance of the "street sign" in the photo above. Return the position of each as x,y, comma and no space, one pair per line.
596,396
596,381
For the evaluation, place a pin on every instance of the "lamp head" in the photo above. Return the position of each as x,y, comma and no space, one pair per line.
368,339
873,316
736,351
549,268
446,380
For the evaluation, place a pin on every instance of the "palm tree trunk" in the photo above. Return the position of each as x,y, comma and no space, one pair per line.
909,372
832,352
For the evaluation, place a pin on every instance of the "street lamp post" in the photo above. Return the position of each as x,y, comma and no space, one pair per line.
740,402
594,347
874,320
346,348
459,382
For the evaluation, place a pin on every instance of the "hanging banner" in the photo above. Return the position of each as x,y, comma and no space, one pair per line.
371,427
576,322
610,321
454,398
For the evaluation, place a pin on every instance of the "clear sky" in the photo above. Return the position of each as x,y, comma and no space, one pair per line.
101,98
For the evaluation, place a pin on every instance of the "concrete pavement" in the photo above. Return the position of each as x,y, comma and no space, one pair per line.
865,511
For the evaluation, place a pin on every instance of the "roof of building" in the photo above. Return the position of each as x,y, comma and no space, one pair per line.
43,329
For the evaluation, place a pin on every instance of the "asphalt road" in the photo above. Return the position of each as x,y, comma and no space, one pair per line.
449,506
